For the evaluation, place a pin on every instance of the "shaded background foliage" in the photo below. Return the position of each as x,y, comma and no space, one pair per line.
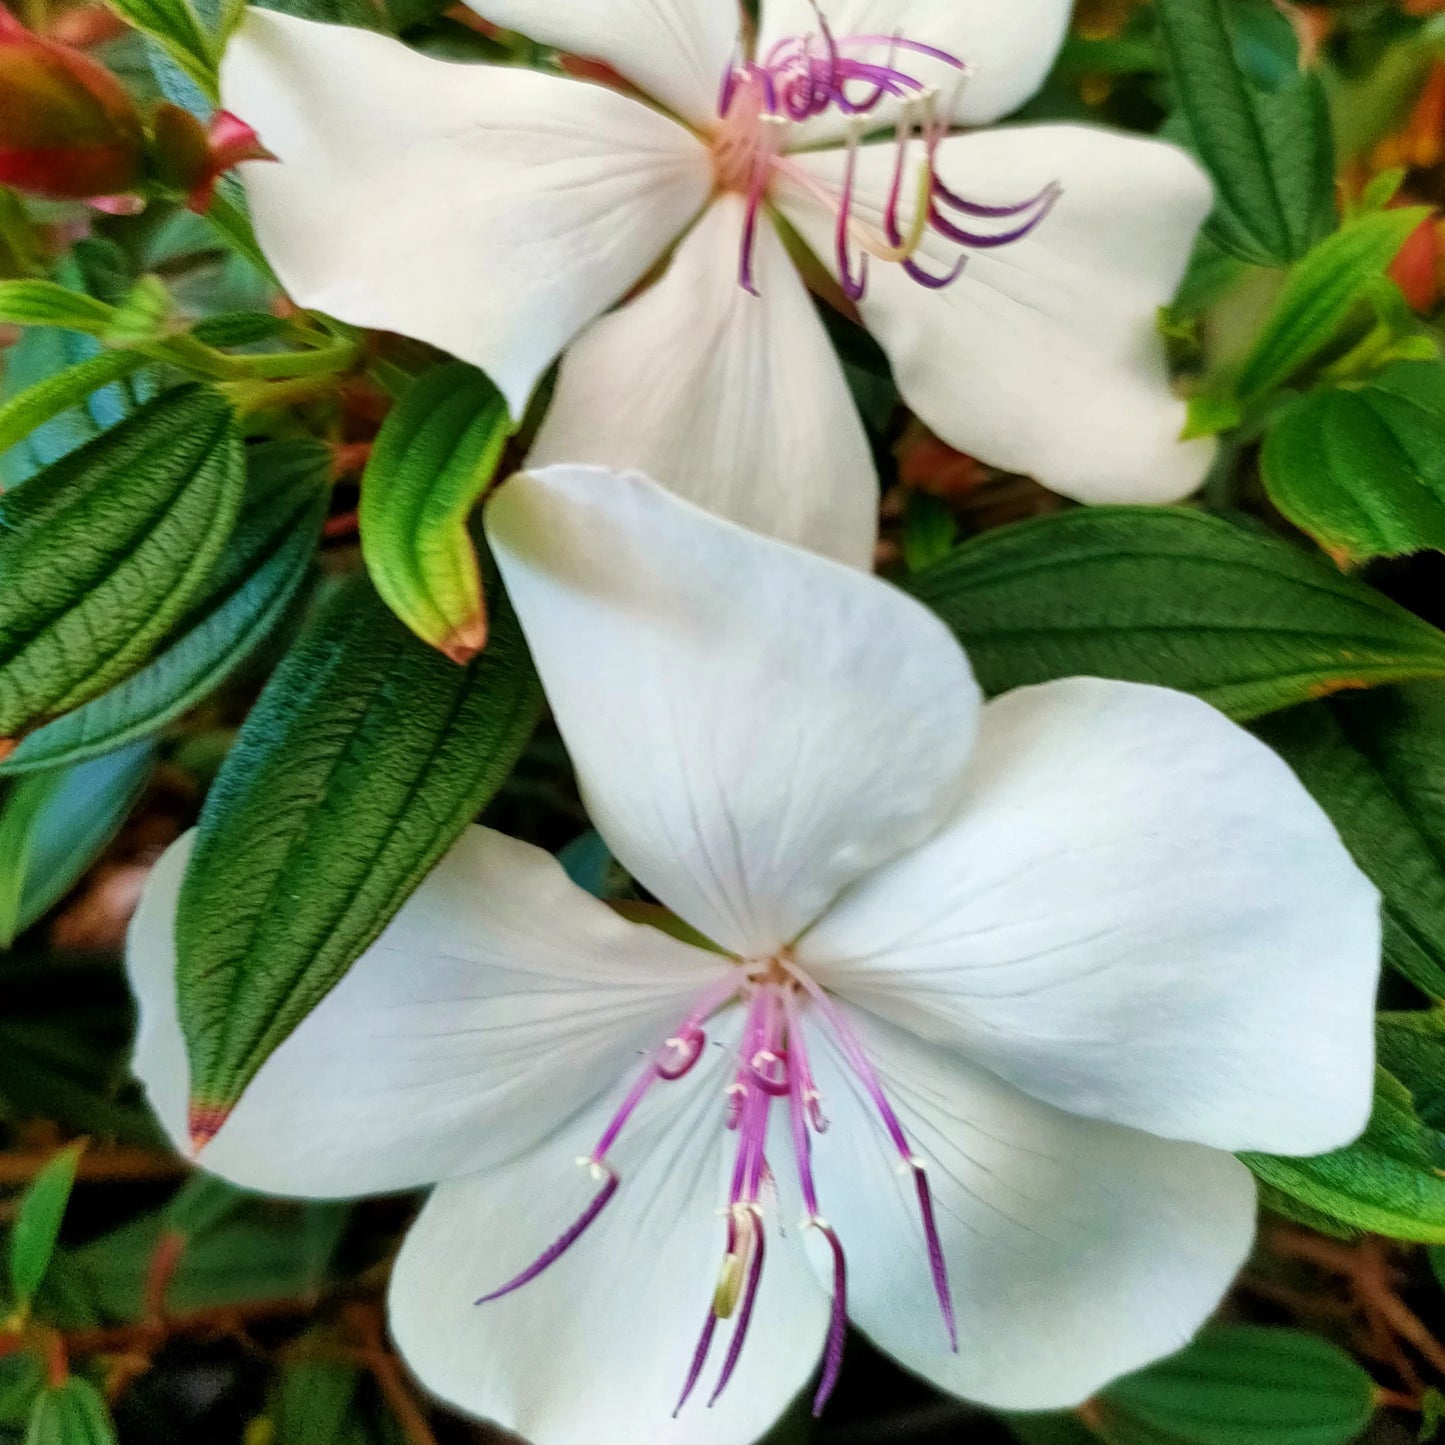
144,1304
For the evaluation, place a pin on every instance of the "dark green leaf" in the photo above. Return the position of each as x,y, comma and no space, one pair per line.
54,824
1267,147
260,571
1412,1047
436,453
37,1225
228,1247
22,1378
176,28
1374,763
73,1414
1362,470
364,760
1321,293
314,1402
103,552
1242,1385
1054,1428
1172,597
1387,1181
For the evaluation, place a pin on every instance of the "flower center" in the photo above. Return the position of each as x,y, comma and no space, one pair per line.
772,1071
857,76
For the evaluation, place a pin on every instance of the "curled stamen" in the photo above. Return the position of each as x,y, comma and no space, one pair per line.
754,1229
567,1238
838,1323
686,1049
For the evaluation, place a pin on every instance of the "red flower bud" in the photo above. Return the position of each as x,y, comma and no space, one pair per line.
192,158
68,130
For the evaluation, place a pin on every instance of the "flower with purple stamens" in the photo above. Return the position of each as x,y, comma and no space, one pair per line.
1013,276
992,990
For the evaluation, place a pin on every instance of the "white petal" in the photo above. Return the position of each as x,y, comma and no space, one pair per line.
500,1000
737,401
1139,915
675,50
1044,357
1010,44
489,210
598,1347
1076,1251
753,726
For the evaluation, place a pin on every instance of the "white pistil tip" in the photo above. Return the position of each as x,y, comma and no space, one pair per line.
815,1221
597,1168
913,1165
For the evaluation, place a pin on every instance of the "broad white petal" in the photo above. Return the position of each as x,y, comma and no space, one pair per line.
753,726
1044,357
1009,44
598,1347
489,210
1076,1251
675,50
500,1001
1139,915
735,400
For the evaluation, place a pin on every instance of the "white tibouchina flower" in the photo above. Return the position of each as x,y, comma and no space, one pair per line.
1012,276
999,986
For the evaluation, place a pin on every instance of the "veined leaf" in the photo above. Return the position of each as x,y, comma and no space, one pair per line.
255,581
177,29
1172,597
1362,469
1267,146
101,553
435,455
1321,293
1374,764
364,760
46,303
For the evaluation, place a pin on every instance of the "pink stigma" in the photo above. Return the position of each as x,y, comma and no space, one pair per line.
857,76
772,1070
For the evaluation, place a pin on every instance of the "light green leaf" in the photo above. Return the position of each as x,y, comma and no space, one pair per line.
366,757
254,583
177,29
1265,139
21,414
1242,1385
103,552
1320,294
37,1226
1172,597
54,824
1375,764
435,455
1362,470
1386,1182
45,303
73,1414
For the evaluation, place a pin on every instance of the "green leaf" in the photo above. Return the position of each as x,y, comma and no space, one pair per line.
101,553
1173,597
1242,1385
37,1226
54,824
32,408
73,1414
45,303
22,1378
1362,470
314,1402
1321,293
1267,148
363,761
177,29
929,531
1386,1182
227,1247
1412,1047
1374,763
435,455
1052,1428
263,566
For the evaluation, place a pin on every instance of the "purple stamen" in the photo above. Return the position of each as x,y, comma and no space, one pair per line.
915,272
838,1324
564,1242
1045,197
745,1313
699,1359
854,287
857,1058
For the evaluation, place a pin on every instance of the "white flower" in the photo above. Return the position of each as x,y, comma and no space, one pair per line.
1037,964
497,211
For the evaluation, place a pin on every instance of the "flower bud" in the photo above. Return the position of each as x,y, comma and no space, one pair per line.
68,130
189,157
